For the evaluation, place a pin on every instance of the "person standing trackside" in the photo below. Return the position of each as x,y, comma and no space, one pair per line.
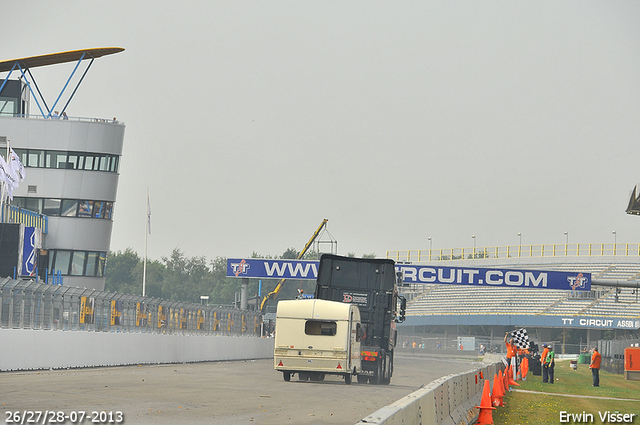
511,353
543,357
596,358
549,363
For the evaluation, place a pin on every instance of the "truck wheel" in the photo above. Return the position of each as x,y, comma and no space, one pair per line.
286,376
303,376
347,379
363,379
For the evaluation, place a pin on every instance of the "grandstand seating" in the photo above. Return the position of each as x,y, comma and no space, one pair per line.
469,300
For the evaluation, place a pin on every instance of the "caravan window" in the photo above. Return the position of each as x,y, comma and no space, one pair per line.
316,327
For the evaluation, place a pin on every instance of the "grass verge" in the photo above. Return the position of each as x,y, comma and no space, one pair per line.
546,404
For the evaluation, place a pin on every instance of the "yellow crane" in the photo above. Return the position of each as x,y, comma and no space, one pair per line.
272,295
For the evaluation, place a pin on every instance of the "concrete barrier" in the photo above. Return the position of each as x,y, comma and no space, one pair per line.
25,349
450,400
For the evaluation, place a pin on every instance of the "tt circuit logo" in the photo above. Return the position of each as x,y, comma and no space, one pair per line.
579,281
240,268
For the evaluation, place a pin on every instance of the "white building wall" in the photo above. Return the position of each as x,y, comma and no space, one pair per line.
70,233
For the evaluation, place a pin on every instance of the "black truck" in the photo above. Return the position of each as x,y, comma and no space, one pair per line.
372,285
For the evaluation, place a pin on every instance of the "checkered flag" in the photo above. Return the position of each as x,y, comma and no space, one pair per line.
520,338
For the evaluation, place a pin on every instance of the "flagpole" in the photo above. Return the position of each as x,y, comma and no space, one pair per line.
4,209
146,233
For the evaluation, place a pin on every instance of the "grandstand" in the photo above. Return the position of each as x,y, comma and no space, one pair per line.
600,301
612,305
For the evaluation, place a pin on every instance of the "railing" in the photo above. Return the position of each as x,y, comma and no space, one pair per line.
25,304
69,118
518,251
26,217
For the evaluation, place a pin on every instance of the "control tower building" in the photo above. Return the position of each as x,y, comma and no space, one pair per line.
71,166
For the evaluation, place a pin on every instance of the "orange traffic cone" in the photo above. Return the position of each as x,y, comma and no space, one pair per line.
525,368
511,381
485,417
505,380
498,392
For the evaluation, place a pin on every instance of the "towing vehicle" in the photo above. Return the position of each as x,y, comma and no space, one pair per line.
372,285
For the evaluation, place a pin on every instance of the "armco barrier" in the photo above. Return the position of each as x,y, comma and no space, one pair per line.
450,400
27,349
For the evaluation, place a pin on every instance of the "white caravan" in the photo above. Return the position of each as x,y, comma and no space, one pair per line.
317,337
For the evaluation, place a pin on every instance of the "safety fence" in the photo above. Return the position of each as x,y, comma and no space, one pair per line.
612,352
452,344
518,251
25,304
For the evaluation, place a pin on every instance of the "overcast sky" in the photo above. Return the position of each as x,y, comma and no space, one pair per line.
250,122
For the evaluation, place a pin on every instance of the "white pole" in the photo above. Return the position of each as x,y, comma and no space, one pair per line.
4,207
3,213
147,229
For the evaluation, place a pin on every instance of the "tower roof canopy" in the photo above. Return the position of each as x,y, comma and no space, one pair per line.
56,58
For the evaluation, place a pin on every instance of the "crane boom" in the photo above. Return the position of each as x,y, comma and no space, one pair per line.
275,292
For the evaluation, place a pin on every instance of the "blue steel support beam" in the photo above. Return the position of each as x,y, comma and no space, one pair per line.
66,84
35,83
31,90
78,85
4,83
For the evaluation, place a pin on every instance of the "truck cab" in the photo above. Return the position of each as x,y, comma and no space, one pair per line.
372,285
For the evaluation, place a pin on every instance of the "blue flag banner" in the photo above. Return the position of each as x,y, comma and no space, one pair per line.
412,274
272,269
506,278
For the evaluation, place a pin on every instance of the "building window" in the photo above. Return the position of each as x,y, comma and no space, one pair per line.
77,263
54,207
92,263
86,209
98,209
89,161
34,157
60,261
31,204
69,208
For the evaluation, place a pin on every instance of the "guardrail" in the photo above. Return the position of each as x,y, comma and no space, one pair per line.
518,251
26,217
446,401
25,304
60,118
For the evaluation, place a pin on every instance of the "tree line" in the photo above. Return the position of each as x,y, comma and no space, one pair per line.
182,278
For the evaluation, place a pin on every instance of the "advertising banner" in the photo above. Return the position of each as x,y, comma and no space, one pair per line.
184,313
200,320
274,269
116,313
162,316
32,243
86,310
413,274
573,322
141,314
506,278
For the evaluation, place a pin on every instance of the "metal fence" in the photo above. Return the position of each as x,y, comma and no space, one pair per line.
519,251
25,304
